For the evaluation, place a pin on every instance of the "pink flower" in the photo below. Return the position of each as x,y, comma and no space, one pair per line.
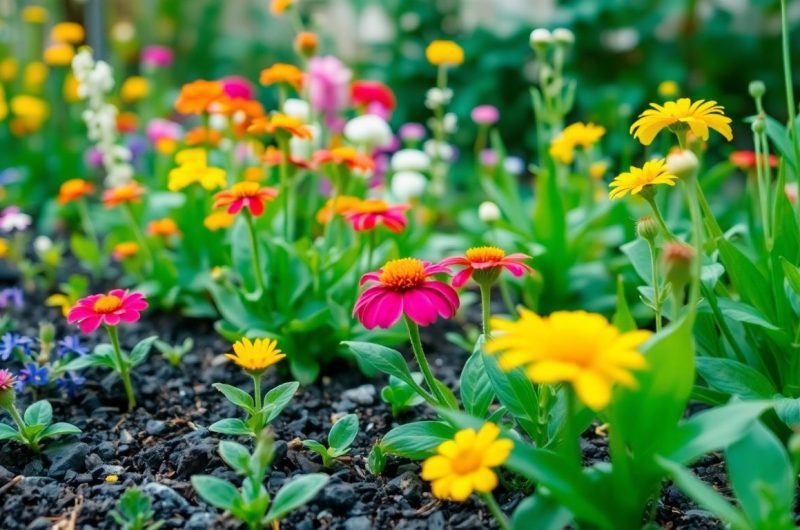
485,115
109,309
6,379
367,214
405,287
236,87
157,56
329,88
412,132
486,263
160,129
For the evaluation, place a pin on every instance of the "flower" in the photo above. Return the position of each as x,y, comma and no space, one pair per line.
746,160
69,32
411,132
485,115
541,38
584,135
248,195
11,296
573,347
3,247
11,342
160,129
410,160
33,375
368,213
682,163
71,344
405,287
59,54
368,130
59,300
464,464
280,123
306,43
34,75
218,220
193,169
344,204
373,97
634,181
157,56
126,193
598,169
489,212
255,356
237,87
668,88
30,111
134,88
34,14
204,136
108,309
563,36
679,116
6,379
329,88
125,250
297,108
196,97
282,73
486,263
277,7
444,52
74,189
408,185
344,155
12,219
164,227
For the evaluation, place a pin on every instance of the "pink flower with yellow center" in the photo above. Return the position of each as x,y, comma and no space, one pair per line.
486,262
248,195
367,214
108,309
405,287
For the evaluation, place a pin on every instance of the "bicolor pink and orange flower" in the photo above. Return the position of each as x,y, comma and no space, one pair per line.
368,214
250,195
107,309
486,263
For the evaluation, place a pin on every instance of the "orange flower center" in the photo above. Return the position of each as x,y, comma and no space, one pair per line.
404,273
484,254
467,461
107,304
245,189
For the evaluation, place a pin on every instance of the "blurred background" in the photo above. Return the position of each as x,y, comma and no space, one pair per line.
626,50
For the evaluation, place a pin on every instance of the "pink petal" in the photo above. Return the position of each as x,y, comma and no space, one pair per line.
462,277
256,207
447,292
419,307
112,319
129,316
517,269
78,313
453,260
90,324
374,276
368,295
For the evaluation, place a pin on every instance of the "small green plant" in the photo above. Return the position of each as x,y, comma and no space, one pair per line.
400,396
135,511
35,425
340,438
252,503
174,354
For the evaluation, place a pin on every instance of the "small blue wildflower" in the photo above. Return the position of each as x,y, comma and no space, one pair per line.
32,375
70,383
11,341
71,344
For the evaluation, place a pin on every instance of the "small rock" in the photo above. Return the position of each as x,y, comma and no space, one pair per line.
340,497
361,395
436,521
5,475
67,457
167,501
361,522
93,460
200,521
408,484
34,468
106,451
40,523
155,427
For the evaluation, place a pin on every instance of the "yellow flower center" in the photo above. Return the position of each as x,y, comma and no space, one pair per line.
107,304
372,206
404,273
467,461
483,254
245,189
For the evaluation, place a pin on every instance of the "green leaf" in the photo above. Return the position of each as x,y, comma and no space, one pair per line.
8,432
295,494
237,396
276,399
315,446
741,312
94,359
216,492
85,249
59,429
548,513
385,360
232,426
416,440
735,378
235,455
376,460
39,413
476,388
638,253
623,319
141,350
745,276
343,432
401,396
515,392
792,273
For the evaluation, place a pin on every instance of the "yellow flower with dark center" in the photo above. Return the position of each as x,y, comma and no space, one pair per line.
444,52
60,54
69,32
680,116
134,88
634,181
255,356
575,347
464,464
583,135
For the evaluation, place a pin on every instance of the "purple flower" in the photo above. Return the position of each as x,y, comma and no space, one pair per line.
485,115
488,157
158,56
11,296
70,383
329,88
412,132
11,342
31,375
94,158
71,344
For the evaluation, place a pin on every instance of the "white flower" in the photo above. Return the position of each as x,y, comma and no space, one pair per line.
441,150
13,219
437,97
541,38
488,212
297,108
42,244
410,160
514,165
564,36
303,147
450,123
683,164
408,185
368,130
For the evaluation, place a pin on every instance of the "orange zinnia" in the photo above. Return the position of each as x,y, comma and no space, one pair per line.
74,189
197,96
127,193
163,227
344,155
280,123
344,204
203,136
282,73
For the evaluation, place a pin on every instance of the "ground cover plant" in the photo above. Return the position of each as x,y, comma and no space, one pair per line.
433,269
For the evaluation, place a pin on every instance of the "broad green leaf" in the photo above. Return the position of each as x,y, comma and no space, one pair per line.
39,413
638,253
216,492
59,429
232,426
343,432
315,446
376,461
295,494
94,359
741,312
278,398
237,396
548,513
735,378
385,360
7,432
140,351
235,455
792,273
416,440
476,388
746,277
623,319
515,392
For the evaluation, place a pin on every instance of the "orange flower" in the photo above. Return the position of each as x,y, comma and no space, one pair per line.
253,173
74,189
127,193
282,73
245,195
344,155
239,108
344,205
127,122
280,123
203,136
277,7
163,227
218,220
196,97
272,156
125,250
306,43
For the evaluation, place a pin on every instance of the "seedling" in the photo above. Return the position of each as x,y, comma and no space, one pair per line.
135,511
400,396
174,354
340,438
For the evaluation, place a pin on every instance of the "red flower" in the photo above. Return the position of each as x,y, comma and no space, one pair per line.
367,214
109,309
745,160
491,260
368,93
248,195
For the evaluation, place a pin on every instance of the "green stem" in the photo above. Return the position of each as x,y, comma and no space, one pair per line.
656,283
12,410
257,401
422,361
572,438
258,272
86,220
763,191
506,297
697,226
486,309
122,363
494,508
285,191
665,231
787,76
139,235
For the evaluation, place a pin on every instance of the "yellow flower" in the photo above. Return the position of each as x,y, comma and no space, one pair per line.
218,220
680,116
3,247
164,227
573,347
634,181
8,69
464,464
34,75
166,146
584,135
668,88
59,300
193,169
277,7
60,54
597,170
446,52
31,110
112,479
34,15
134,88
70,89
3,104
255,356
69,32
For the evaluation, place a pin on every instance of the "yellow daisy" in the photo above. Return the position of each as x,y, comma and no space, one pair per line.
634,181
584,135
464,464
575,347
680,116
255,356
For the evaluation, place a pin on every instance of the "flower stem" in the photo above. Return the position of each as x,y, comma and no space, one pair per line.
12,410
494,508
124,369
258,272
665,231
139,235
787,76
697,226
572,438
257,400
286,192
88,227
486,309
422,361
656,283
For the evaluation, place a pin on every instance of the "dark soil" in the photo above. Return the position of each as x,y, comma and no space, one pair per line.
165,441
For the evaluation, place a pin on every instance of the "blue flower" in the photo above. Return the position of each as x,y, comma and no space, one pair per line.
11,296
32,375
10,342
70,383
71,344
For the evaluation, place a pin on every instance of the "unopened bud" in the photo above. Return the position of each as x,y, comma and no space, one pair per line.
759,126
306,43
683,164
757,89
647,228
678,258
47,332
541,39
488,212
563,36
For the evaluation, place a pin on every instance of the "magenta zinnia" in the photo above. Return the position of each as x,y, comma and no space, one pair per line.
369,213
486,261
109,309
405,287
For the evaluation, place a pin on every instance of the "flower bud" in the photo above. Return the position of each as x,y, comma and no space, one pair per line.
759,126
757,89
683,164
7,395
306,43
410,160
541,39
563,36
42,244
47,332
647,228
678,258
297,108
488,212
